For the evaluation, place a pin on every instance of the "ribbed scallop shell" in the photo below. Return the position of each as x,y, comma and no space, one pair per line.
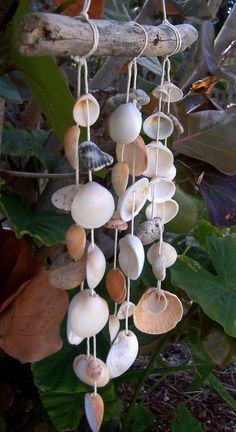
135,196
71,141
131,256
125,123
86,110
63,198
89,370
116,285
135,155
160,160
120,177
122,353
94,410
76,241
92,157
166,249
166,211
151,123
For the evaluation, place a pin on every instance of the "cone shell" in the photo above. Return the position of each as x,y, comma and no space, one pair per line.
161,190
151,123
160,160
114,327
168,91
116,285
62,198
161,321
120,177
136,194
131,256
86,110
122,353
88,313
92,206
125,123
72,337
135,155
88,369
69,275
166,211
71,141
95,266
76,241
92,157
166,249
94,410
148,231
159,267
127,305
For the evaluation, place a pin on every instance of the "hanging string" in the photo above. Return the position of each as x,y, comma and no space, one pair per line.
82,286
115,248
95,358
115,308
88,348
127,309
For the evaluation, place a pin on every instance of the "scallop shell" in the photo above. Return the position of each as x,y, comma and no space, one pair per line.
116,285
86,110
161,190
93,205
72,337
160,160
76,241
120,177
94,410
150,126
148,231
88,313
88,369
166,211
166,249
159,267
95,266
159,322
122,353
136,195
92,157
62,198
135,155
125,123
69,275
175,93
114,327
127,305
71,141
131,256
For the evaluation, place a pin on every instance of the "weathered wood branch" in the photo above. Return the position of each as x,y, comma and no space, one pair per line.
50,34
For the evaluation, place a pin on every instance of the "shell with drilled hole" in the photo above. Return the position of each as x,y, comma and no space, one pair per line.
135,155
161,190
127,308
122,353
95,265
165,211
94,410
86,110
92,157
116,223
166,249
168,91
131,256
120,177
150,126
160,160
88,369
125,123
71,141
133,199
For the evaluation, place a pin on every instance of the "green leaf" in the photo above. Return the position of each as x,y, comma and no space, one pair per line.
3,425
116,10
186,217
217,385
203,230
9,91
152,64
186,423
141,419
216,294
45,80
64,409
47,227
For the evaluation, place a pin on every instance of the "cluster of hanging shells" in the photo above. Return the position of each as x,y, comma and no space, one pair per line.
93,206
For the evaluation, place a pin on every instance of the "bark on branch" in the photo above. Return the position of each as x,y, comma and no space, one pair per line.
50,34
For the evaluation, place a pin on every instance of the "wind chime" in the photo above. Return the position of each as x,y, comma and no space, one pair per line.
92,206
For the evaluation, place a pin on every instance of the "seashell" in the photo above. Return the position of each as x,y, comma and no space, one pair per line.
72,338
116,223
153,315
92,157
170,175
177,125
95,266
114,327
150,126
88,313
160,160
94,410
76,241
159,267
161,190
148,231
127,305
88,369
122,353
131,256
62,198
92,206
71,142
140,96
166,249
135,155
86,110
69,275
169,92
116,285
125,123
120,177
166,211
134,197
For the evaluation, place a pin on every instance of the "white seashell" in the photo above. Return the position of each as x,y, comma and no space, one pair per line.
134,154
166,249
169,92
166,211
88,369
120,177
71,141
148,231
92,157
170,175
150,126
72,338
160,160
135,196
161,190
93,205
125,123
62,198
122,353
114,327
95,266
88,313
131,256
86,110
159,267
94,410
127,305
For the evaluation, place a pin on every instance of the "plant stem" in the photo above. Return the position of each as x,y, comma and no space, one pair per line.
37,174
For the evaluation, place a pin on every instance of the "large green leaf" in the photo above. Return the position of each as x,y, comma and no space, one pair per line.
141,419
217,385
47,227
186,423
216,294
186,217
211,138
64,409
9,91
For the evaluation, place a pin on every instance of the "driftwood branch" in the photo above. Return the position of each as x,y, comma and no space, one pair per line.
50,34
